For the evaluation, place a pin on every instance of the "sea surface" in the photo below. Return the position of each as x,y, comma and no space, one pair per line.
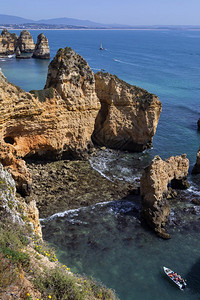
107,241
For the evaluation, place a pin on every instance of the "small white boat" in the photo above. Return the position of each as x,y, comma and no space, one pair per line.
177,279
101,47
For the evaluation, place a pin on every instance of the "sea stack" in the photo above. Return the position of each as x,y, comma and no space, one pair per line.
8,42
42,47
128,117
154,189
25,42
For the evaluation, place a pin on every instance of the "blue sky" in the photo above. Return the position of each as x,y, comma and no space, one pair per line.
130,12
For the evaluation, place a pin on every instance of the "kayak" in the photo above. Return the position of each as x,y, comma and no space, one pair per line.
177,279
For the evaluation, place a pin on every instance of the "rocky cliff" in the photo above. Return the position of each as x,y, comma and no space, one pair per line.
14,209
42,47
52,123
196,169
60,120
25,42
128,117
154,189
8,42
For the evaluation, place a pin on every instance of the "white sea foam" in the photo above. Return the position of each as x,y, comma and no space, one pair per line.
73,212
194,190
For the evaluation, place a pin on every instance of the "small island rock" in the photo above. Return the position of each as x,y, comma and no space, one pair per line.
42,47
8,42
25,42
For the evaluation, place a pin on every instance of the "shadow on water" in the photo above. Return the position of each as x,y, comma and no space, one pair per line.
193,278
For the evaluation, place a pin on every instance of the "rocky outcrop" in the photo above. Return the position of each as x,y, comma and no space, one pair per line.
8,42
52,123
128,116
154,188
196,169
25,42
58,122
42,47
24,47
16,209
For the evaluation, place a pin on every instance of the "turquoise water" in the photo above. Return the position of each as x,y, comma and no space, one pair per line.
164,62
110,243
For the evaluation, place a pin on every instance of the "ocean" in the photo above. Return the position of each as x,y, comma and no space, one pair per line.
106,241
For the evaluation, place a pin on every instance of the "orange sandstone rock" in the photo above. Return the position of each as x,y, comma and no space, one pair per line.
128,117
154,187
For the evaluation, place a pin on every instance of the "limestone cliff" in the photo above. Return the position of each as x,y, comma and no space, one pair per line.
16,209
128,116
8,42
196,169
154,188
42,47
25,42
54,122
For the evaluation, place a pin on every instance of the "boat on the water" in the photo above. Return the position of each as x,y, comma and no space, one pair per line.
101,47
177,279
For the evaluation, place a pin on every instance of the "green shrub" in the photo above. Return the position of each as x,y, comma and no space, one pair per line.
17,257
7,272
59,285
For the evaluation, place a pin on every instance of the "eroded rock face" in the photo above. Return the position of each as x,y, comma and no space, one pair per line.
16,209
196,169
8,42
52,123
154,189
128,117
25,42
42,47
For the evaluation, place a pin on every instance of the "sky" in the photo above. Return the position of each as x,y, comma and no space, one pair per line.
128,12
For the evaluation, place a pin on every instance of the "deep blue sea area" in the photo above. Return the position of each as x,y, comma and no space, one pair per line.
108,243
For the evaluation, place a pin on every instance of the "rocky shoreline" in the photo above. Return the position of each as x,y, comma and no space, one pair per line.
62,185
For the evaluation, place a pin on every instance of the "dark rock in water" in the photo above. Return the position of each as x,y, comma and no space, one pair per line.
196,169
164,235
196,201
198,124
181,184
42,47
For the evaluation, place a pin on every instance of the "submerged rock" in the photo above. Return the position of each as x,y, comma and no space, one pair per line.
8,43
42,47
154,189
128,117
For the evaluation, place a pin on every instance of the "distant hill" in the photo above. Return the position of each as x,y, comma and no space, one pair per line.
6,19
70,21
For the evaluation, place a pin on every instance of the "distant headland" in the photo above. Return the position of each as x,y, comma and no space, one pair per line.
18,23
